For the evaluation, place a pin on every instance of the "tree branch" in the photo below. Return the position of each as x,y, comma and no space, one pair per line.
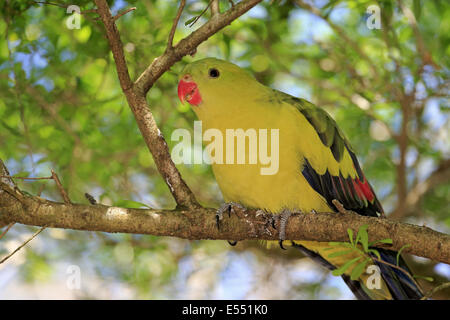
420,44
416,194
200,223
6,179
22,245
189,44
135,92
175,24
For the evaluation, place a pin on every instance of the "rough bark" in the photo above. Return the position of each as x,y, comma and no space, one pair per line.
200,223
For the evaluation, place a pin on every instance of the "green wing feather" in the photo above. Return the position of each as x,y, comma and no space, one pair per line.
327,129
354,193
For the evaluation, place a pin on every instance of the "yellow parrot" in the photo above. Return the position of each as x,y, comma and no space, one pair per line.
316,163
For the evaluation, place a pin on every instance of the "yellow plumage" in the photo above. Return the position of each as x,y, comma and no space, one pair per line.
226,105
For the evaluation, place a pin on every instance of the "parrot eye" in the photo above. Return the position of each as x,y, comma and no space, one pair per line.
214,73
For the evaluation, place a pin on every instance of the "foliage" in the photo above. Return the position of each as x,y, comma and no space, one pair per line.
355,245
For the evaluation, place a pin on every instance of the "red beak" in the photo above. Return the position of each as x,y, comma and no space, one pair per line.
188,91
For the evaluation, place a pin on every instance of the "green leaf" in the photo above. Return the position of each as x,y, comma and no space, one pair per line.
358,270
350,235
11,129
417,7
386,241
341,270
387,13
342,244
23,174
429,279
375,252
340,253
27,193
189,21
363,237
400,251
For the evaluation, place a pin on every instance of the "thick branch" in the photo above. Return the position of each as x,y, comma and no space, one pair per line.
135,93
144,118
200,223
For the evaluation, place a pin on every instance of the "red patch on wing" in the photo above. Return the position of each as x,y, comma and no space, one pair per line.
359,192
366,189
363,189
188,91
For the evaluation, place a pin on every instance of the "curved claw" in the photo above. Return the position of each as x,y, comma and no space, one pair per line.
226,207
283,217
218,218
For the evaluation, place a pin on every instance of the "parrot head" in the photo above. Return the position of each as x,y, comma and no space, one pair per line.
203,81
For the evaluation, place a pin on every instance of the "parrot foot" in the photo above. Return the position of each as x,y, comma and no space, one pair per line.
270,220
228,207
283,217
270,217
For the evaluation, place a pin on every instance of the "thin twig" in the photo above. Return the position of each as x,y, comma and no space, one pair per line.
61,188
5,176
188,44
7,229
420,44
175,24
65,6
51,109
27,178
398,268
41,188
117,16
22,245
52,4
434,290
201,14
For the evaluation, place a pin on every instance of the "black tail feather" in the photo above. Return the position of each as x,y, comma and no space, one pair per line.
400,285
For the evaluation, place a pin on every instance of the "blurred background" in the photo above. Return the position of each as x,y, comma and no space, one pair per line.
385,82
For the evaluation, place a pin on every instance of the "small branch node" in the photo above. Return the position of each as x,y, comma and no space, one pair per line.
340,207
